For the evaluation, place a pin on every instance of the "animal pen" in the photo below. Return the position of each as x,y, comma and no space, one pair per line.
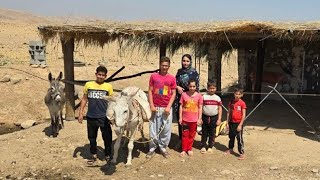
286,50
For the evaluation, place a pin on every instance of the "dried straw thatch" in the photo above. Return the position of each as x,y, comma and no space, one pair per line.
175,35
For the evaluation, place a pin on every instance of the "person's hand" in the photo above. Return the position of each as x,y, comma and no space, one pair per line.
152,108
167,111
199,122
180,89
80,118
180,121
218,122
239,127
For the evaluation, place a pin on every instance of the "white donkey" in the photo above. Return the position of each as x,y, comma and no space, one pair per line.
128,112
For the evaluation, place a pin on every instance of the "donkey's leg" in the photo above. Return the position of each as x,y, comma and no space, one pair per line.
51,123
133,131
116,144
142,135
62,123
54,126
57,124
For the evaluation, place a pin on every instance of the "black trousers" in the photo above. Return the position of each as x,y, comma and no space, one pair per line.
93,124
208,130
233,133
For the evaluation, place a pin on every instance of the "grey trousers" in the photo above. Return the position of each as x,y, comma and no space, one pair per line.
158,121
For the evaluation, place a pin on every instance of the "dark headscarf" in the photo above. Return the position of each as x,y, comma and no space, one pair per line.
183,76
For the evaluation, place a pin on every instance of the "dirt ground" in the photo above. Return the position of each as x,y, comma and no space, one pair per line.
278,144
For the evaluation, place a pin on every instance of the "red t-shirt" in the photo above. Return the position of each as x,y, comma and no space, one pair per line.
236,110
163,86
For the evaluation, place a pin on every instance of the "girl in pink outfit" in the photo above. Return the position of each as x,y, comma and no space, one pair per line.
190,115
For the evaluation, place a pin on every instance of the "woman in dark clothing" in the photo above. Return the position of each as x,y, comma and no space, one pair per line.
183,75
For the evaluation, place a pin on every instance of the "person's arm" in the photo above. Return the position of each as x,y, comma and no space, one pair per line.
167,110
219,115
83,104
242,119
180,113
200,114
179,88
150,98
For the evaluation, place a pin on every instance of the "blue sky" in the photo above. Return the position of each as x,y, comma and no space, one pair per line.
173,10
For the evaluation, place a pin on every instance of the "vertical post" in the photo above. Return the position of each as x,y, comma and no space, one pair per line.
67,49
163,48
296,80
259,70
218,70
214,65
242,67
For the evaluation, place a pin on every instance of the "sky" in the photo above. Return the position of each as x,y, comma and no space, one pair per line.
173,10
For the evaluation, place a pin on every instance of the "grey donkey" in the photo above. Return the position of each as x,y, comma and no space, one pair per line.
55,100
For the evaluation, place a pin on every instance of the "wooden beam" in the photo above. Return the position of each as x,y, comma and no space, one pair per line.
259,70
218,70
67,49
162,49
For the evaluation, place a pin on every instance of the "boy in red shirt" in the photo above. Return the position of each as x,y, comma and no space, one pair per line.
236,116
162,91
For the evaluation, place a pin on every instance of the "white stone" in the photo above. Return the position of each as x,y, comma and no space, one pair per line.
15,80
5,78
226,171
35,65
28,124
152,176
160,175
273,168
315,170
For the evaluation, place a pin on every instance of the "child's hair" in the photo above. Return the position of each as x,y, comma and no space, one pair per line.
211,83
240,90
164,59
191,81
101,69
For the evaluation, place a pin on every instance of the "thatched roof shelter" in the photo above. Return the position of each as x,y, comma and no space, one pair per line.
170,36
176,35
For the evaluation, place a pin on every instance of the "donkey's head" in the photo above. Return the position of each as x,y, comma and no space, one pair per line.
120,108
55,90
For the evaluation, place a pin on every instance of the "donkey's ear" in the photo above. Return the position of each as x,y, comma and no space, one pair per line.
50,77
60,76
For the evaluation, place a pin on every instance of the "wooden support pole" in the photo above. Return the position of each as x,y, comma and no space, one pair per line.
259,70
67,49
214,65
163,49
242,67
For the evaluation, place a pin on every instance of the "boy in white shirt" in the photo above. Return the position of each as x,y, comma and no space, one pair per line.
211,116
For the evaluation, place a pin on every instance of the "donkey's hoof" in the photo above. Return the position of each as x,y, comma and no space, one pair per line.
128,165
113,161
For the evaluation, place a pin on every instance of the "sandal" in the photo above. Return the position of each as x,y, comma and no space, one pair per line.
182,154
165,154
150,154
91,161
227,152
108,158
190,153
203,150
241,157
